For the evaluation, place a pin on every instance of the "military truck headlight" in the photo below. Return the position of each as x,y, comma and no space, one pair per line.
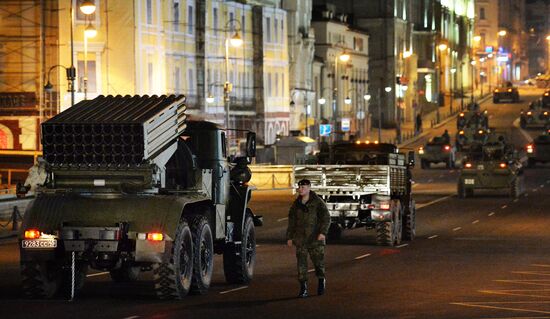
421,150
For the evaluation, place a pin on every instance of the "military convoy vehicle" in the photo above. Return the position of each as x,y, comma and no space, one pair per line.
506,93
539,150
365,185
473,118
538,115
494,165
437,150
546,99
473,127
132,186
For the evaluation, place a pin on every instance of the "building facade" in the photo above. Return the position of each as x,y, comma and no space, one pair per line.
538,27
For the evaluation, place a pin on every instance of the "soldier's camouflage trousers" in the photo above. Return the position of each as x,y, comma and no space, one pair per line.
317,256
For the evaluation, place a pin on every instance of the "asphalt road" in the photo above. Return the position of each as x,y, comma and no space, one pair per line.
481,257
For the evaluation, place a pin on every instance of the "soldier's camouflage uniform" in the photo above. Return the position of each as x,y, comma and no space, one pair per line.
305,223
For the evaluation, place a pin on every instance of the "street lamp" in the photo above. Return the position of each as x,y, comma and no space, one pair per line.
87,7
473,63
235,41
344,58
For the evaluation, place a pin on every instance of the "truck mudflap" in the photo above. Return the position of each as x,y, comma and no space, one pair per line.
143,213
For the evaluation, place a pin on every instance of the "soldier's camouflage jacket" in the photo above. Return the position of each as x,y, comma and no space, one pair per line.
307,221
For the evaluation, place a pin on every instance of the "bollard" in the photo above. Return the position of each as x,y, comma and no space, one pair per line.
14,215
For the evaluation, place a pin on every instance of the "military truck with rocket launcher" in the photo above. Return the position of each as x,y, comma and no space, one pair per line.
365,185
132,186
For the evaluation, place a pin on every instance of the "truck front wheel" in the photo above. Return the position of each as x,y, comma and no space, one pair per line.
203,255
389,233
409,222
239,265
173,279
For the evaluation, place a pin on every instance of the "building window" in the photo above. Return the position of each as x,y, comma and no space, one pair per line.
149,9
358,44
190,15
92,76
482,13
215,22
150,77
276,30
268,29
176,10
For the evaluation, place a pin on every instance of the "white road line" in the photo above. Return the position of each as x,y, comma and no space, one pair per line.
311,270
430,180
471,304
401,246
491,214
537,273
232,290
98,274
535,190
516,200
540,265
457,228
258,246
362,256
282,219
475,221
131,317
434,236
504,206
420,206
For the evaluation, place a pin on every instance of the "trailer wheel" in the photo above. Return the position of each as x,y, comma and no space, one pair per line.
409,222
389,233
41,280
238,266
126,273
173,279
203,255
515,188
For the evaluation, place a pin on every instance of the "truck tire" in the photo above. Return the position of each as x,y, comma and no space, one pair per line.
424,164
389,233
515,188
81,269
409,222
203,255
238,266
334,232
126,273
173,279
40,280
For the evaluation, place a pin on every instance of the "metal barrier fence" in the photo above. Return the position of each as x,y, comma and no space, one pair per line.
10,216
271,176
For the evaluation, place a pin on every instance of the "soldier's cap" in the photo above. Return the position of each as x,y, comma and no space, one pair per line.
304,182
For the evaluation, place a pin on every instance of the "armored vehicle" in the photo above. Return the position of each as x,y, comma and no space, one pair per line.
538,115
546,99
365,185
468,139
494,165
133,186
473,118
437,150
506,93
539,150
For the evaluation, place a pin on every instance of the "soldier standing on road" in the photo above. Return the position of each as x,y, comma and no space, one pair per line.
308,224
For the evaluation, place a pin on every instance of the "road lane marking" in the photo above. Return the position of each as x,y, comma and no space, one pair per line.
457,228
517,292
282,219
538,273
491,214
441,175
401,246
420,206
430,180
475,221
131,317
98,274
434,236
504,206
477,305
540,265
232,290
535,190
533,282
362,256
516,200
258,246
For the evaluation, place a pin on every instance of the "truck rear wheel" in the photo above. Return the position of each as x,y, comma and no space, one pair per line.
126,273
41,280
515,188
238,266
409,222
173,279
203,255
389,233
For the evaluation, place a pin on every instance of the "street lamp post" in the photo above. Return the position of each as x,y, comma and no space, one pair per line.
473,63
501,34
453,72
441,95
236,41
89,32
344,57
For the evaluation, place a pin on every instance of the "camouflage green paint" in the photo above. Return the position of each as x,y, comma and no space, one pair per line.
317,254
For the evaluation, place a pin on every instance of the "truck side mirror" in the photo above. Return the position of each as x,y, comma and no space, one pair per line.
411,158
250,144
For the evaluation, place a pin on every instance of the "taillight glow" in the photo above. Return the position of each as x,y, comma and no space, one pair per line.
502,165
447,147
385,206
461,114
32,234
358,142
468,165
461,132
529,148
155,236
480,131
529,113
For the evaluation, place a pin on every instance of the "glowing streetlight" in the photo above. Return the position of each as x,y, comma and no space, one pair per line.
387,89
347,100
90,31
502,33
366,97
210,99
453,70
322,101
477,38
473,62
344,57
442,47
236,40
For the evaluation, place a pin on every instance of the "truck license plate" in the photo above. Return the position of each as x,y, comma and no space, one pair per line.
469,181
39,243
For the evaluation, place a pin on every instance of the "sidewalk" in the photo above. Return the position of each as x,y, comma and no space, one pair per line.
429,121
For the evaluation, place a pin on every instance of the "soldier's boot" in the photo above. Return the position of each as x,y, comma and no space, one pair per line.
322,286
303,289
